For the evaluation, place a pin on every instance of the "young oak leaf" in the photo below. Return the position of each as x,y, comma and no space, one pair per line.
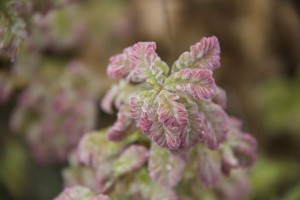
91,151
165,168
137,63
131,159
208,169
235,187
160,122
119,65
150,125
217,125
142,56
197,83
239,149
196,125
145,188
107,102
138,103
81,175
162,117
170,112
229,161
123,126
174,118
244,148
204,55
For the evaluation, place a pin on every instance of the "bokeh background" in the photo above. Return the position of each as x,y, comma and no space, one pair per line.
260,45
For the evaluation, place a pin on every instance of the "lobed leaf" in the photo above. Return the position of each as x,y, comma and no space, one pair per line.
229,161
155,130
174,118
208,169
244,148
150,125
122,127
131,159
91,151
204,55
143,54
119,65
138,63
217,125
235,187
139,103
108,100
196,125
165,168
239,149
197,83
165,119
81,175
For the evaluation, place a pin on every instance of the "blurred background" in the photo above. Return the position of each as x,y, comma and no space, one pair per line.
53,75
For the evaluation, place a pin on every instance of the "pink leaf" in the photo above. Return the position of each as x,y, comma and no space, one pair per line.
109,98
196,125
217,125
91,151
138,63
137,103
150,125
142,58
170,112
122,127
166,168
174,118
235,187
208,169
244,147
204,55
240,148
119,65
197,83
131,159
168,137
229,161
143,54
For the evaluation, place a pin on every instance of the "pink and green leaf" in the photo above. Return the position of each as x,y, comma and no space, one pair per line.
131,159
203,55
91,151
165,168
122,127
208,169
217,125
196,83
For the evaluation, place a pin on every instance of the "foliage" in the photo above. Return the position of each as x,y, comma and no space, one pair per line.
60,116
177,110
